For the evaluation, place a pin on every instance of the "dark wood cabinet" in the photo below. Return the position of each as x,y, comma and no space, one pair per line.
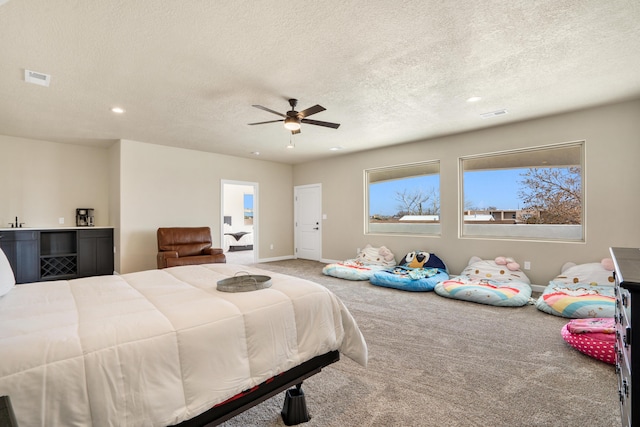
95,252
27,256
54,254
21,249
627,316
7,244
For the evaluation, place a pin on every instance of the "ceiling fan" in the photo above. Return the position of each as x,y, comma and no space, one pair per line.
293,118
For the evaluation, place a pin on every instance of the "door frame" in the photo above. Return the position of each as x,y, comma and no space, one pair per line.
295,218
256,214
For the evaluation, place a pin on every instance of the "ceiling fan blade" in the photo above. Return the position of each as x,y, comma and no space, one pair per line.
269,110
261,123
295,132
311,110
319,123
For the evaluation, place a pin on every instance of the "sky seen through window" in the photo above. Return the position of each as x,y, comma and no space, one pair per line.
482,189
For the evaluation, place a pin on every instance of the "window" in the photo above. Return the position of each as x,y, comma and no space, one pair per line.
403,199
535,193
248,209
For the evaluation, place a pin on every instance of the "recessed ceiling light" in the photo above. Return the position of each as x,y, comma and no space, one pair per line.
474,99
335,148
255,153
117,110
493,113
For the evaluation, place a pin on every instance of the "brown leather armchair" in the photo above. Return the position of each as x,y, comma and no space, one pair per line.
186,246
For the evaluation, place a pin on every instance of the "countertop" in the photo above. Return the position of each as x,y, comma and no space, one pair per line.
52,228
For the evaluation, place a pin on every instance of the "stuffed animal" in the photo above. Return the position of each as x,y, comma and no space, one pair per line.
500,269
509,262
607,264
376,256
386,254
592,273
422,259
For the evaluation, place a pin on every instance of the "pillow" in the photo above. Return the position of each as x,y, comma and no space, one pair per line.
7,279
482,269
593,273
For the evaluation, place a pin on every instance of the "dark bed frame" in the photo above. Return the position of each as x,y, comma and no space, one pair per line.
236,405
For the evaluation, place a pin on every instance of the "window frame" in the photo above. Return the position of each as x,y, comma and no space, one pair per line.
533,232
430,229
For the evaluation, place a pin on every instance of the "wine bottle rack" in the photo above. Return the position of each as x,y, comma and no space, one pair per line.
58,254
58,266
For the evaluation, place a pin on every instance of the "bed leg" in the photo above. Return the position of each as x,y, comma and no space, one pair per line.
294,410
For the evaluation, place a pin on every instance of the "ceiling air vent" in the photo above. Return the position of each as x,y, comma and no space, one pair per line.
494,113
37,78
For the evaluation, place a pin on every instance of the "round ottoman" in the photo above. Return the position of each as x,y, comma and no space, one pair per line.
594,337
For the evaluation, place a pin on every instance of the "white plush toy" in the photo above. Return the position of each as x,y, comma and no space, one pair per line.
501,269
592,273
376,256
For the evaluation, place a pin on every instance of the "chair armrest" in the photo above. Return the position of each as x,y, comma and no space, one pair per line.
212,251
162,257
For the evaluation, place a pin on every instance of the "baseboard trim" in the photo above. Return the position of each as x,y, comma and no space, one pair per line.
278,258
538,288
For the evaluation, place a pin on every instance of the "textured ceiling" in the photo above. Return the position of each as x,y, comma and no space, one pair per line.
187,72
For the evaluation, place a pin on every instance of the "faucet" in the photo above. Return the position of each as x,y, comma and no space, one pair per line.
16,224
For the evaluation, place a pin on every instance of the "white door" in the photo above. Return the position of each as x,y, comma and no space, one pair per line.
308,214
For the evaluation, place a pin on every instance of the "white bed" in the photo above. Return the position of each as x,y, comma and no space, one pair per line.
158,347
237,240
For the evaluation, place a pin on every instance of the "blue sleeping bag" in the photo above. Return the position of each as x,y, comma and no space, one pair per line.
418,271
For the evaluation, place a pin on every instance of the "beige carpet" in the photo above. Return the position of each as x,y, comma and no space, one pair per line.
434,361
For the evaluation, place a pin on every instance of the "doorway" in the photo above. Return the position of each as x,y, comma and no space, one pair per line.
239,227
308,228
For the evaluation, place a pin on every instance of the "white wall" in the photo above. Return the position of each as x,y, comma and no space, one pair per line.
612,186
164,186
43,181
114,199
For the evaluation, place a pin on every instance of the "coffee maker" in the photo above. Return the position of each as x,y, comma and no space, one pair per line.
84,217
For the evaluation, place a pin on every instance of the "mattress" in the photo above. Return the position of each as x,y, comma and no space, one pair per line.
158,347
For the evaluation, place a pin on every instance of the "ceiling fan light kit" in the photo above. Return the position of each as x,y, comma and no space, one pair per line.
292,123
293,119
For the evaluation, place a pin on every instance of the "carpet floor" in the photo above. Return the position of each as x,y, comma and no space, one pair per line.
434,361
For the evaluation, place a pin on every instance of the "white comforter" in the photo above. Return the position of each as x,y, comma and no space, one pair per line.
158,347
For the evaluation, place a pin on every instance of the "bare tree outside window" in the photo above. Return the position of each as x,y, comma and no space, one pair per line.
555,193
417,202
403,199
531,193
